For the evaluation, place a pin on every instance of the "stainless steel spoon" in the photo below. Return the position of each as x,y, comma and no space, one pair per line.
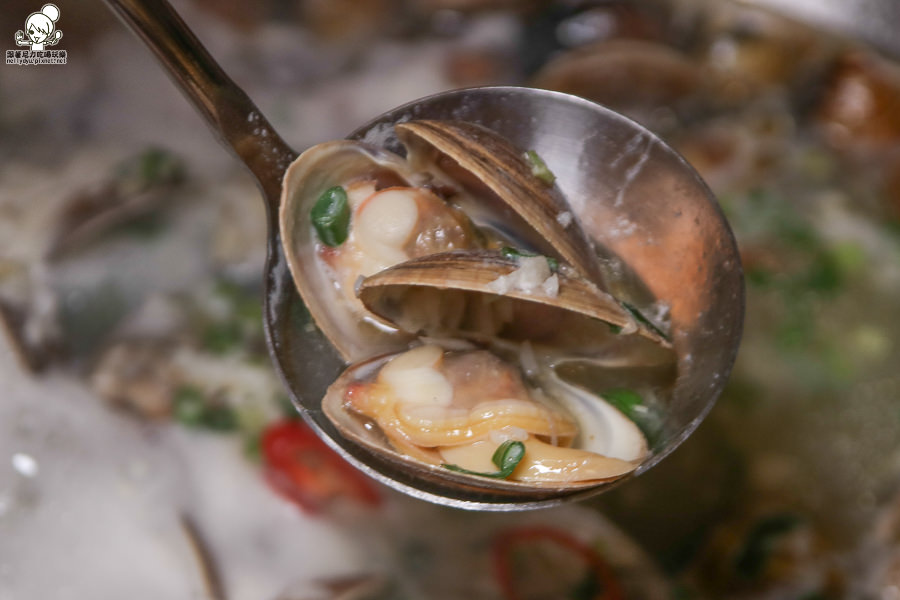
638,198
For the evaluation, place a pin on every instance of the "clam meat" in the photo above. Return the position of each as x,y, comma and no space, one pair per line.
445,407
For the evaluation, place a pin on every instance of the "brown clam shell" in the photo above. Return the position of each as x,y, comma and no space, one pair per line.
497,174
578,317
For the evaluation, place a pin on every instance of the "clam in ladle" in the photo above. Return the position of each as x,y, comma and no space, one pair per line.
639,201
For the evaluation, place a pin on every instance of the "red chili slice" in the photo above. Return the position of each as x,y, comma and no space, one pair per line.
302,468
509,543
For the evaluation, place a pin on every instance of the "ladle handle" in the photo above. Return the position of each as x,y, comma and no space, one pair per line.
225,106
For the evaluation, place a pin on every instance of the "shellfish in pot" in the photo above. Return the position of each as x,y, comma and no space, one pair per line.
461,288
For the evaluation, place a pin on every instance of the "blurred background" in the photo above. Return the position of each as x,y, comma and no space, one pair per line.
146,449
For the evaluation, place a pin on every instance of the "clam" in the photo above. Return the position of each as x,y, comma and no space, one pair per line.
504,192
461,187
448,403
467,243
445,413
383,206
481,295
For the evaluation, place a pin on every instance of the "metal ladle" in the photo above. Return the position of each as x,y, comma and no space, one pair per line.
635,196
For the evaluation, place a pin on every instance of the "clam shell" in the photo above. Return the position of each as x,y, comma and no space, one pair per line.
499,192
503,190
444,295
369,435
604,429
319,168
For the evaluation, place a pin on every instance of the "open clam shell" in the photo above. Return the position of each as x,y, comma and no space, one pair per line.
506,191
430,463
484,295
315,171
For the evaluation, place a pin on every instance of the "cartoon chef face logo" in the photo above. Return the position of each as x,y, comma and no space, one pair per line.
40,29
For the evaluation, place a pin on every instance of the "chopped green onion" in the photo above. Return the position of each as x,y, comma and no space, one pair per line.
630,403
220,337
507,457
850,257
189,407
644,320
286,407
144,227
331,216
511,253
539,168
615,329
156,165
219,417
253,446
892,227
153,166
760,544
244,302
759,276
623,399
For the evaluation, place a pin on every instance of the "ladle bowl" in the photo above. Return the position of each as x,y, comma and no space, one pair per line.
637,198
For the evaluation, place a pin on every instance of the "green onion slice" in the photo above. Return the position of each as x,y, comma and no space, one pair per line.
190,408
511,253
637,314
507,457
624,399
539,168
762,542
331,216
631,403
